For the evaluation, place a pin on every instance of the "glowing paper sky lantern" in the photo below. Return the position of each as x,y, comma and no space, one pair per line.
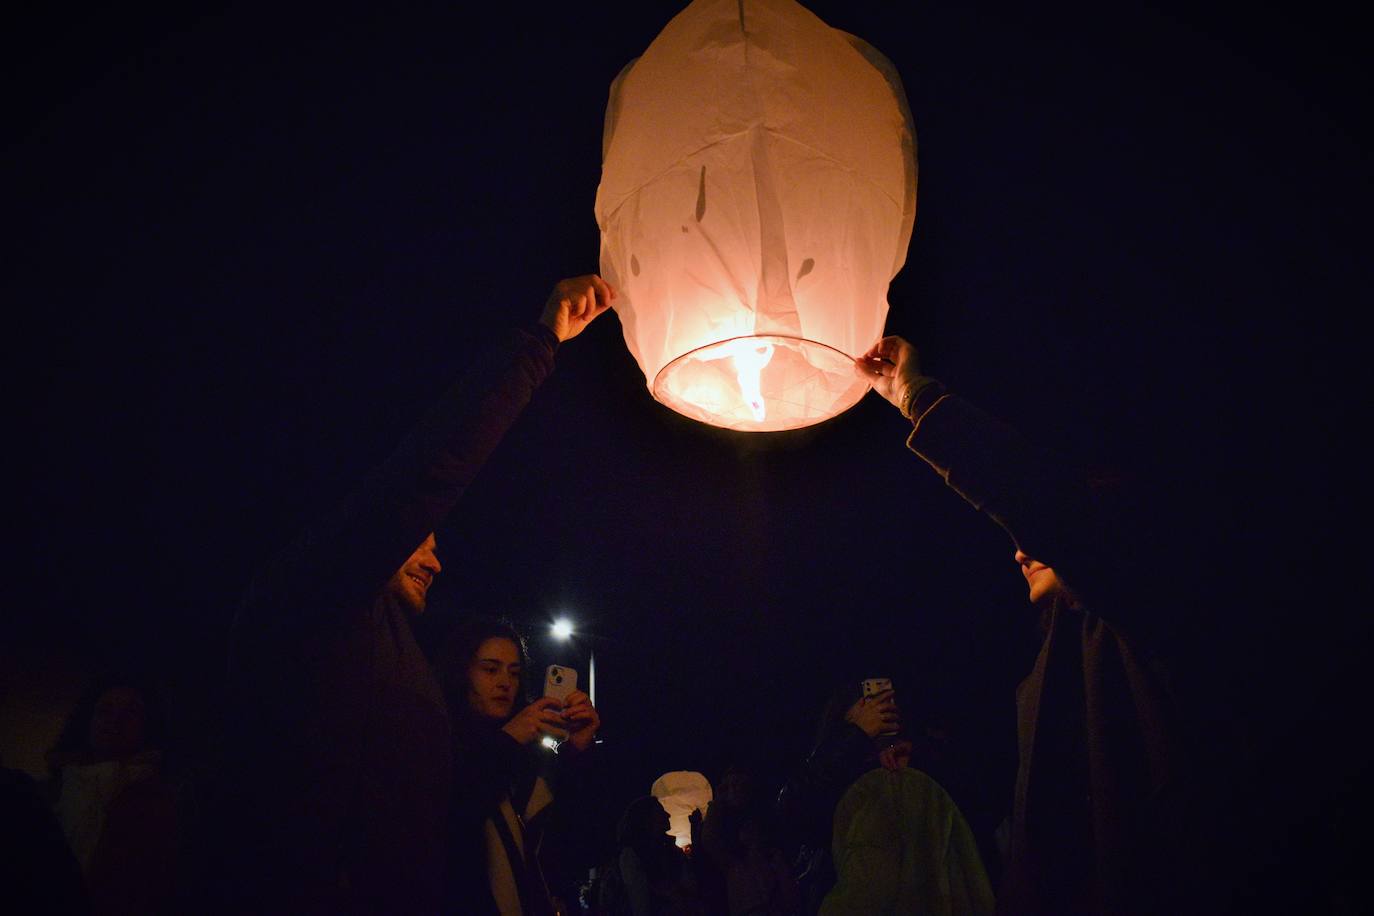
680,793
757,194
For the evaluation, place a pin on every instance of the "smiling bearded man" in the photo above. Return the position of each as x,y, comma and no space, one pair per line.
410,584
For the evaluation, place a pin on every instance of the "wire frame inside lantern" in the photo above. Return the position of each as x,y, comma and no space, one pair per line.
763,383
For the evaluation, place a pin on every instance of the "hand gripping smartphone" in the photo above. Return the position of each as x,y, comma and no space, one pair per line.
559,682
874,686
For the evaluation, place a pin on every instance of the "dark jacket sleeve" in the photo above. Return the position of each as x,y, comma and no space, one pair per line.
488,763
1047,506
485,764
343,560
806,804
569,772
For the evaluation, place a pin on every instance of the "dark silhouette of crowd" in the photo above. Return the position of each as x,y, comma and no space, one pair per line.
355,770
100,833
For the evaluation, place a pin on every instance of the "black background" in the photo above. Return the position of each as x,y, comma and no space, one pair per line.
251,244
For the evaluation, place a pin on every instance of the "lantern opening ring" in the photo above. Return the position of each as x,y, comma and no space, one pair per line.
799,382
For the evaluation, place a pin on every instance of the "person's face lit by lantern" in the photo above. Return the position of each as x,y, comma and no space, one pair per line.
494,678
410,584
1043,582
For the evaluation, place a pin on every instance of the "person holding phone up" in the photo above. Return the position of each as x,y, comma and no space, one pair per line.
852,736
865,820
505,777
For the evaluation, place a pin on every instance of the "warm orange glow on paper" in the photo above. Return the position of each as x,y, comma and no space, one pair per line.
757,195
680,793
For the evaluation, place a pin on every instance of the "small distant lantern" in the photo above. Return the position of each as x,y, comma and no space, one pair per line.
681,792
758,189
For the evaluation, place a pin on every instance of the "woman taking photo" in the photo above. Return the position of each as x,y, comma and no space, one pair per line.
878,836
504,776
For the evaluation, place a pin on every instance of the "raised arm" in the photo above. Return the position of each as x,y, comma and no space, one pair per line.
344,559
1048,508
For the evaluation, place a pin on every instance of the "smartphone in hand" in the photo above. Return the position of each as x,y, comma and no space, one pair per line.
873,687
559,681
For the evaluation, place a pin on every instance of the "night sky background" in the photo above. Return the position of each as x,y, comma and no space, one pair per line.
250,244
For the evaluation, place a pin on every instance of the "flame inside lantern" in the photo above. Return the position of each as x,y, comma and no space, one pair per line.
733,383
749,356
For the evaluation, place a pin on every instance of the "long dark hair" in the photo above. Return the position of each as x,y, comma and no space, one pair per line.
842,697
455,655
74,739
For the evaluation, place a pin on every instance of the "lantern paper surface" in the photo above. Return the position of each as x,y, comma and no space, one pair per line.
680,793
757,194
